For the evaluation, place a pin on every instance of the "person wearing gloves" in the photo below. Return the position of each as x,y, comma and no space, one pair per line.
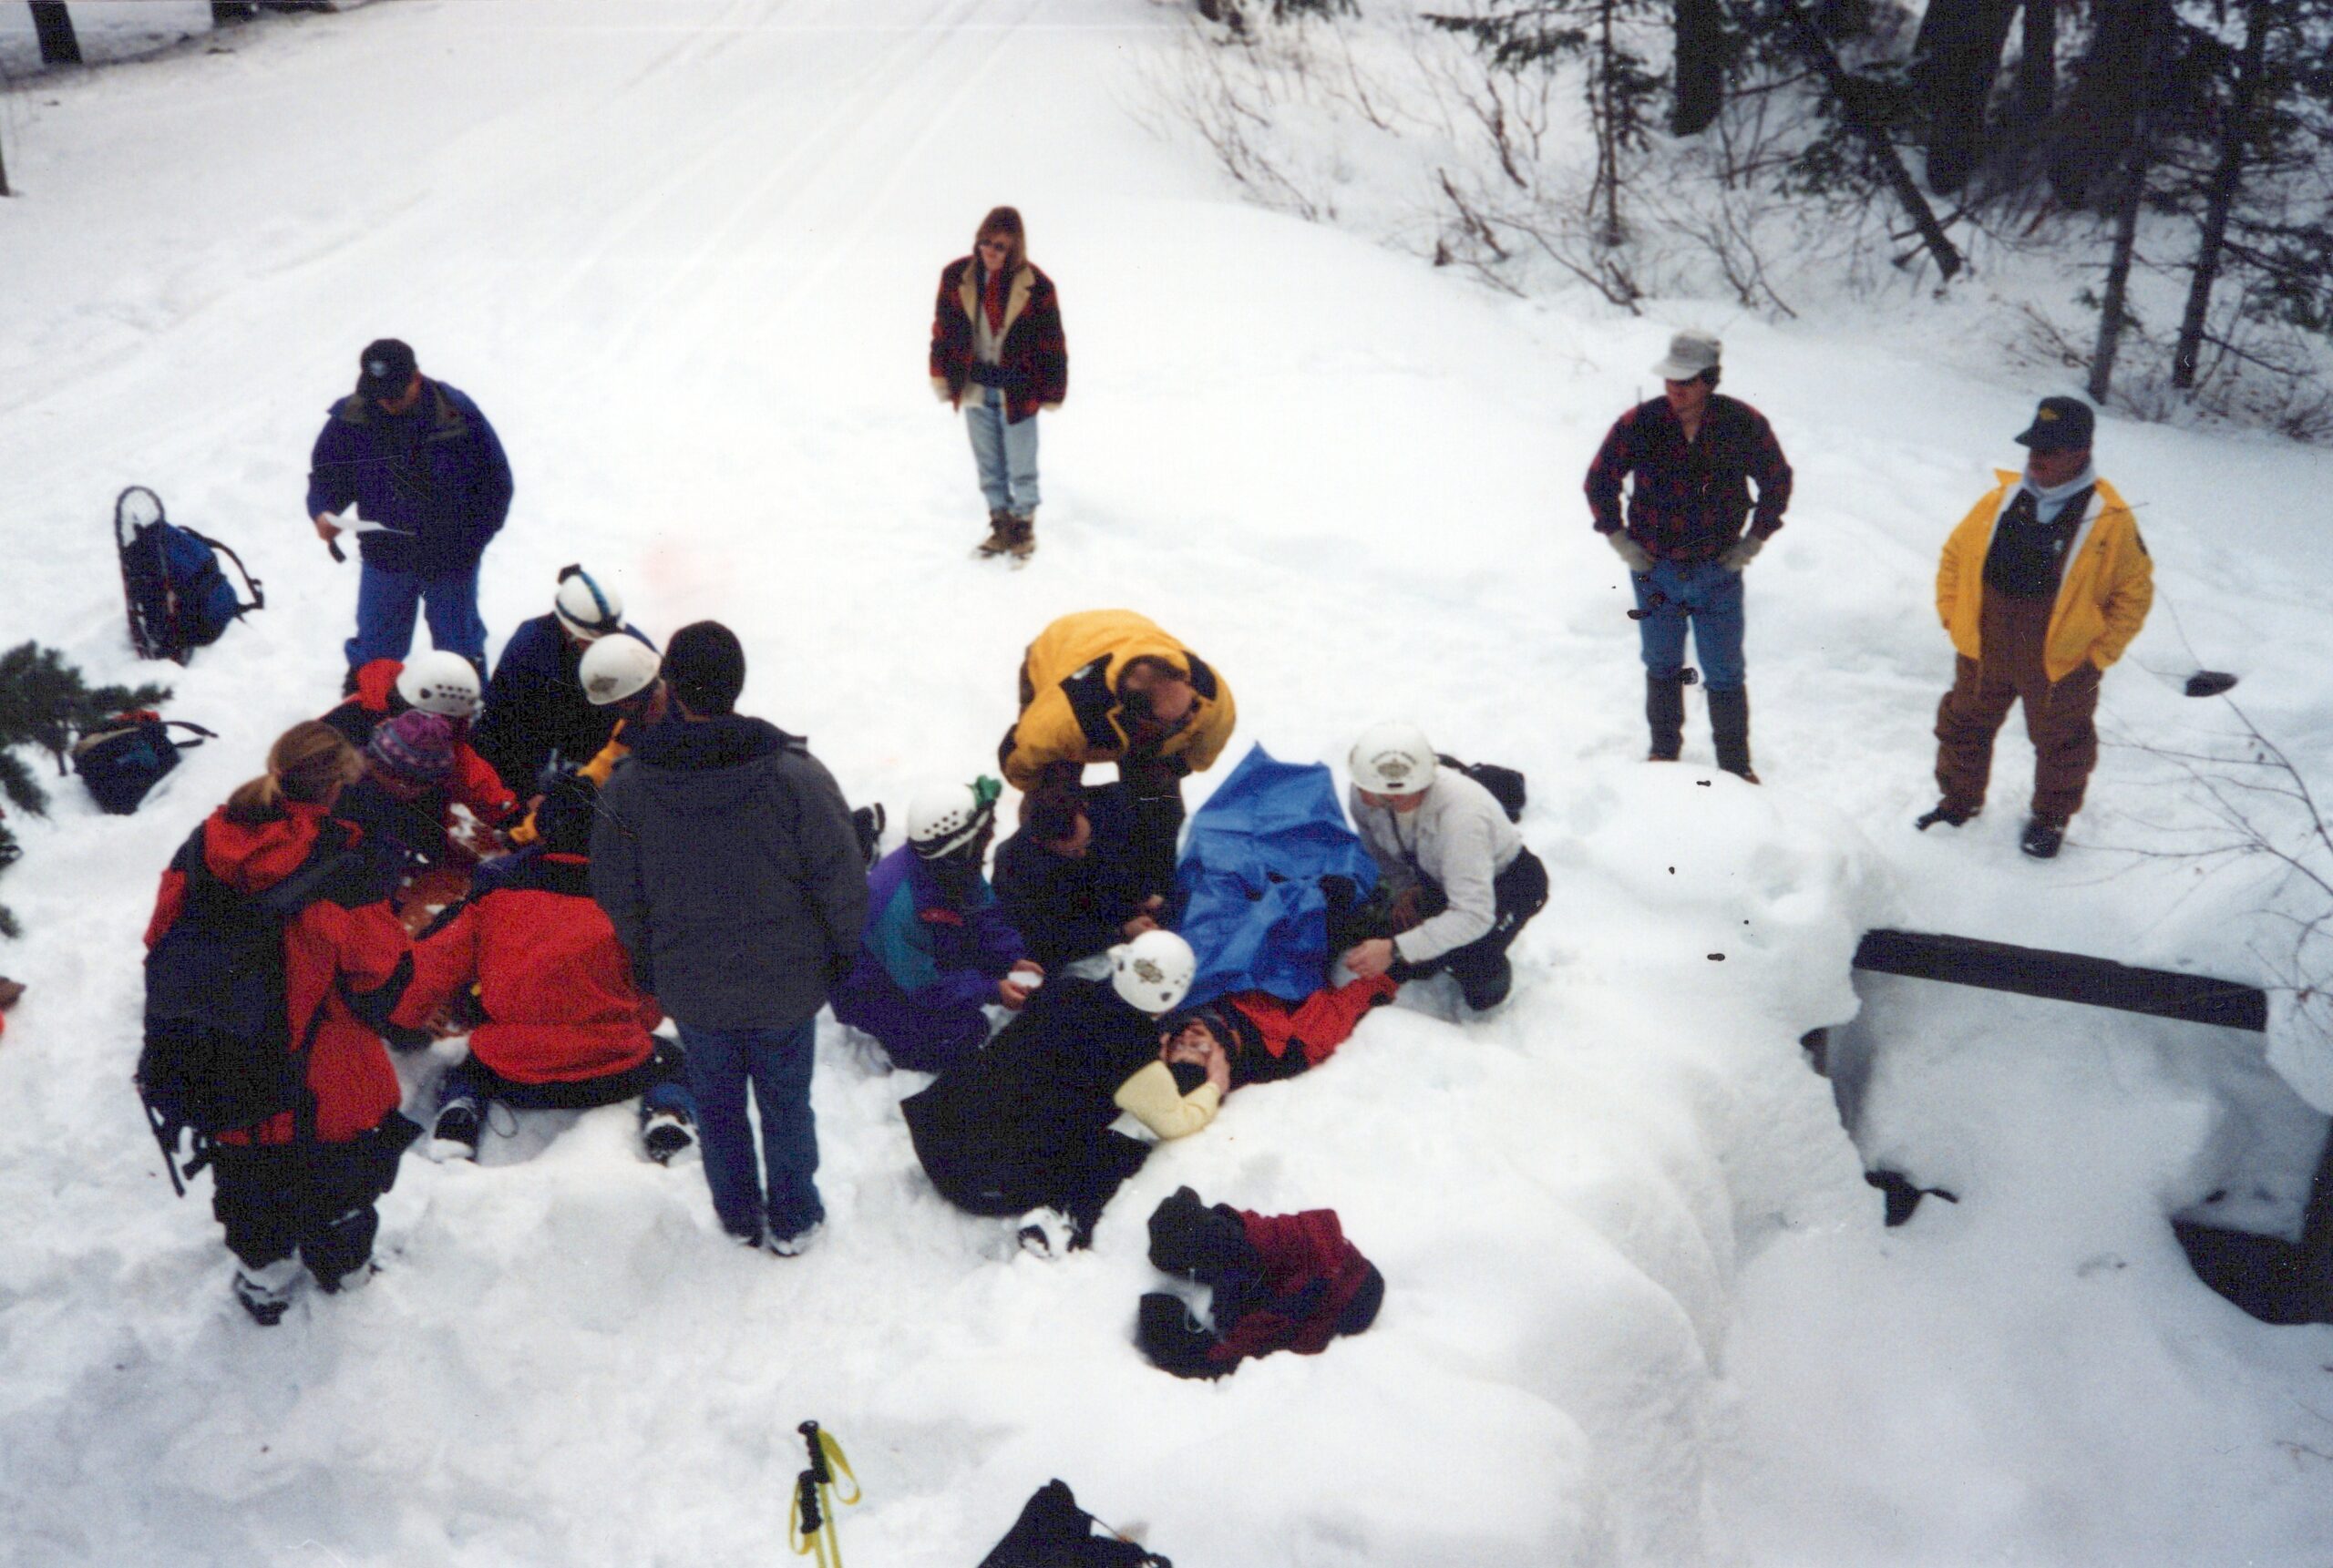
998,354
1022,1126
1694,453
404,808
536,706
1110,686
621,678
1461,882
2041,587
937,949
433,682
419,461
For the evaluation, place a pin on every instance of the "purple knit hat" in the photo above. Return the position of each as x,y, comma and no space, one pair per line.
415,746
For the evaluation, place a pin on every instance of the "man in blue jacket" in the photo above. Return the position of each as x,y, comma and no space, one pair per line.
419,461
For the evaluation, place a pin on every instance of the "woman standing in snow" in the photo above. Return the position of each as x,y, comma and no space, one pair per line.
998,354
298,1187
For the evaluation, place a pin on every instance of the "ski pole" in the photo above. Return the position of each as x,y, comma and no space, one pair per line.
806,1531
814,1525
157,1122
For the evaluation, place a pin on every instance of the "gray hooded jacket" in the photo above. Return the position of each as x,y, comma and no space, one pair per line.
725,856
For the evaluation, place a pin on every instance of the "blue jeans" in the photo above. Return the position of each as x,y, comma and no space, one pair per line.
386,602
1006,453
777,1063
1704,593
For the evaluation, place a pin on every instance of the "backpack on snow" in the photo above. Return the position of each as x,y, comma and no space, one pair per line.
129,757
218,1052
1053,1531
1505,785
179,595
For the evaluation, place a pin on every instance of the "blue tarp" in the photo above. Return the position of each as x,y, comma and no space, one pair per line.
1248,886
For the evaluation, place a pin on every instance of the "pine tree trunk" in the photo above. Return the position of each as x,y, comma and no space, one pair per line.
2227,181
54,26
2035,95
2116,77
1826,61
1700,66
2113,309
1956,59
1607,188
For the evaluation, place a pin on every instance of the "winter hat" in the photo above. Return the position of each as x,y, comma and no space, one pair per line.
385,369
2060,425
704,667
1690,354
415,746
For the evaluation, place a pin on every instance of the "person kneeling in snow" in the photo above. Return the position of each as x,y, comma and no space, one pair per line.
1066,879
1023,1127
532,965
403,807
434,682
936,948
1462,883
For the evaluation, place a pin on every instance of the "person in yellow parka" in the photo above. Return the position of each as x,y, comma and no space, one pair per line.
1110,686
2042,586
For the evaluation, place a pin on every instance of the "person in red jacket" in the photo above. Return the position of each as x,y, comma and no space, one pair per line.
1254,1037
532,967
998,354
432,682
288,1193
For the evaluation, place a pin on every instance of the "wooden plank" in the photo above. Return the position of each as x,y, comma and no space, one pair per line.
2064,977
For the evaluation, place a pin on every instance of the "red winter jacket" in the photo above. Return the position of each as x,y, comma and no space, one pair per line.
1311,1275
473,784
561,1006
1034,356
337,951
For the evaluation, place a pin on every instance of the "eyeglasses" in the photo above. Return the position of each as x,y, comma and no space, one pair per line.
995,244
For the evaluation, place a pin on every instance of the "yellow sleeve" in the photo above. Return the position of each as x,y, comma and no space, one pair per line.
1151,1098
1949,569
2127,601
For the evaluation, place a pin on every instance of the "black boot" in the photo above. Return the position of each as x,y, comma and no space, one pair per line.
1664,712
1729,731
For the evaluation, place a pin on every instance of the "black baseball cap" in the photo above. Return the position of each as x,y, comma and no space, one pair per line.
385,369
2060,425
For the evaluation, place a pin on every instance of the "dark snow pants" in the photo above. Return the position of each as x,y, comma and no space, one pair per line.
315,1197
1480,967
2061,716
1074,1170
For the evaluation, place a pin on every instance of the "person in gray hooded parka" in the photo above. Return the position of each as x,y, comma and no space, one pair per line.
726,857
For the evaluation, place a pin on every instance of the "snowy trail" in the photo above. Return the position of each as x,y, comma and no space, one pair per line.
684,256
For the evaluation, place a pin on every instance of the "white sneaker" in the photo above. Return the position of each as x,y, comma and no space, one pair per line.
1046,1232
797,1244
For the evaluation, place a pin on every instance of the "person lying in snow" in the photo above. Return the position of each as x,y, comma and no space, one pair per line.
1022,1126
530,967
936,949
1280,1281
1066,879
1253,1036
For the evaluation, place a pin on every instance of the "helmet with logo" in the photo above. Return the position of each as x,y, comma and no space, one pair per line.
947,819
1393,758
583,606
614,667
441,682
1154,971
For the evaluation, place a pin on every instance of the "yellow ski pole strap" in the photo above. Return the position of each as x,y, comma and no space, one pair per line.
832,1452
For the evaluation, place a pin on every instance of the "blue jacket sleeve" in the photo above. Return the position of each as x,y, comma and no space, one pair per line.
331,471
491,486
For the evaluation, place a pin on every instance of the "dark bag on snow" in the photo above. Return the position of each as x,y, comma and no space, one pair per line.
179,596
124,761
218,1053
1505,785
1053,1531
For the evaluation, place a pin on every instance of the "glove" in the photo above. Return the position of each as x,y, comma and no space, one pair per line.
1742,554
1629,551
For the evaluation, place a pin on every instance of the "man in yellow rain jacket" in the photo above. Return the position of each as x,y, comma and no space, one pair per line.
1109,686
2042,586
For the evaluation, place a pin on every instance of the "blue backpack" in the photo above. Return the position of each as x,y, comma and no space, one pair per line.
179,596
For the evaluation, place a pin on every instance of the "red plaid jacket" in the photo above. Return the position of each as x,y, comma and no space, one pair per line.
1035,359
1690,501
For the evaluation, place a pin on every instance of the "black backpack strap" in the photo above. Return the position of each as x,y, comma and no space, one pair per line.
201,733
259,595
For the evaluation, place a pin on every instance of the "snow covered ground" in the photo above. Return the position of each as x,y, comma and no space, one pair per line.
1642,1308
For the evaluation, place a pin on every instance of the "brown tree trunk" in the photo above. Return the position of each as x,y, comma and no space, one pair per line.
2113,309
1700,66
2227,179
1956,59
54,26
2036,92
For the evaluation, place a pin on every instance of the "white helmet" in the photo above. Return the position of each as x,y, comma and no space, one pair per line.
614,667
1393,758
441,682
944,818
1154,971
583,606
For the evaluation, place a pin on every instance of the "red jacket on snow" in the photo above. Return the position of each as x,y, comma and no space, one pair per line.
473,782
335,953
556,988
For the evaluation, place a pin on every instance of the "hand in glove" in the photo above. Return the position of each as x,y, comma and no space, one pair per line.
1629,551
1742,554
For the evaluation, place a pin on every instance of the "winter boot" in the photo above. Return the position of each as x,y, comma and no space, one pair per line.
1173,1339
455,1135
867,822
264,1293
1022,542
800,1241
1664,712
2042,840
1949,813
1000,532
1729,731
665,1134
1047,1233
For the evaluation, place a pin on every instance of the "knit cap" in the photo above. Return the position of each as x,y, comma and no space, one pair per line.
415,746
